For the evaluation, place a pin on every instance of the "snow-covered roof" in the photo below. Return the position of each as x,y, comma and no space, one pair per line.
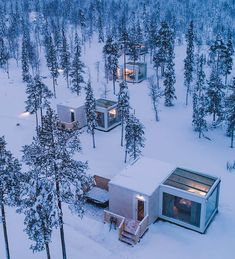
74,102
144,176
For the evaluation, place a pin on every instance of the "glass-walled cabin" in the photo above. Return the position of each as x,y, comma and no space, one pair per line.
190,199
107,114
132,72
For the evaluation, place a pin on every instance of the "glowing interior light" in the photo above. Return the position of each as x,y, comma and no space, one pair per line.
24,114
113,112
140,197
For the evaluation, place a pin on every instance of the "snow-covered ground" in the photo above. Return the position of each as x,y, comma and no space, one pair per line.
171,140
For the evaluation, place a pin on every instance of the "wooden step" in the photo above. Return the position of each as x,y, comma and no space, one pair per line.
127,234
127,240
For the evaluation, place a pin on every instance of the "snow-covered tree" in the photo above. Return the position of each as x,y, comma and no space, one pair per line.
123,105
4,56
77,69
38,201
69,178
38,96
134,137
189,60
65,58
90,107
169,78
155,93
215,95
52,62
10,178
200,101
230,112
228,59
25,59
111,53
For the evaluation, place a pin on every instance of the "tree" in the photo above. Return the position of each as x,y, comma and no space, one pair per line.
123,105
57,148
38,200
65,58
230,112
52,62
134,137
10,178
228,65
4,56
90,107
25,59
215,95
155,94
37,97
169,79
77,69
200,101
189,60
111,53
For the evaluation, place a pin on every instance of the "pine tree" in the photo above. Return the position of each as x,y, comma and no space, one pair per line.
200,101
228,65
4,56
215,95
38,199
70,181
25,59
77,69
38,96
230,112
123,105
189,60
169,78
90,107
10,178
52,62
134,137
155,94
65,58
110,51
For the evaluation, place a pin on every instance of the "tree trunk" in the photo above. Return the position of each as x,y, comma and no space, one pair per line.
61,219
125,156
187,92
93,138
114,90
48,251
53,80
36,115
122,122
4,224
232,136
124,56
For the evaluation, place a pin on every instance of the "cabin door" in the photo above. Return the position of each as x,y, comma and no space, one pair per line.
72,116
140,209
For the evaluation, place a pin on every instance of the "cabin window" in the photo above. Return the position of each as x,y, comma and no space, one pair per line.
181,209
100,119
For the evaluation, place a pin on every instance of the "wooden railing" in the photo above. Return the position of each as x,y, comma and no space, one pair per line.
68,125
110,215
121,228
143,226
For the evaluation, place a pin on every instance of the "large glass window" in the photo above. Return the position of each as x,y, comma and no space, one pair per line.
100,119
181,209
211,204
113,117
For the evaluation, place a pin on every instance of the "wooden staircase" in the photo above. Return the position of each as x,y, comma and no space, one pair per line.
128,234
130,230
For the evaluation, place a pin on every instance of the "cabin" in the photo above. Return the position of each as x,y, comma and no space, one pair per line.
107,114
133,72
72,113
149,189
